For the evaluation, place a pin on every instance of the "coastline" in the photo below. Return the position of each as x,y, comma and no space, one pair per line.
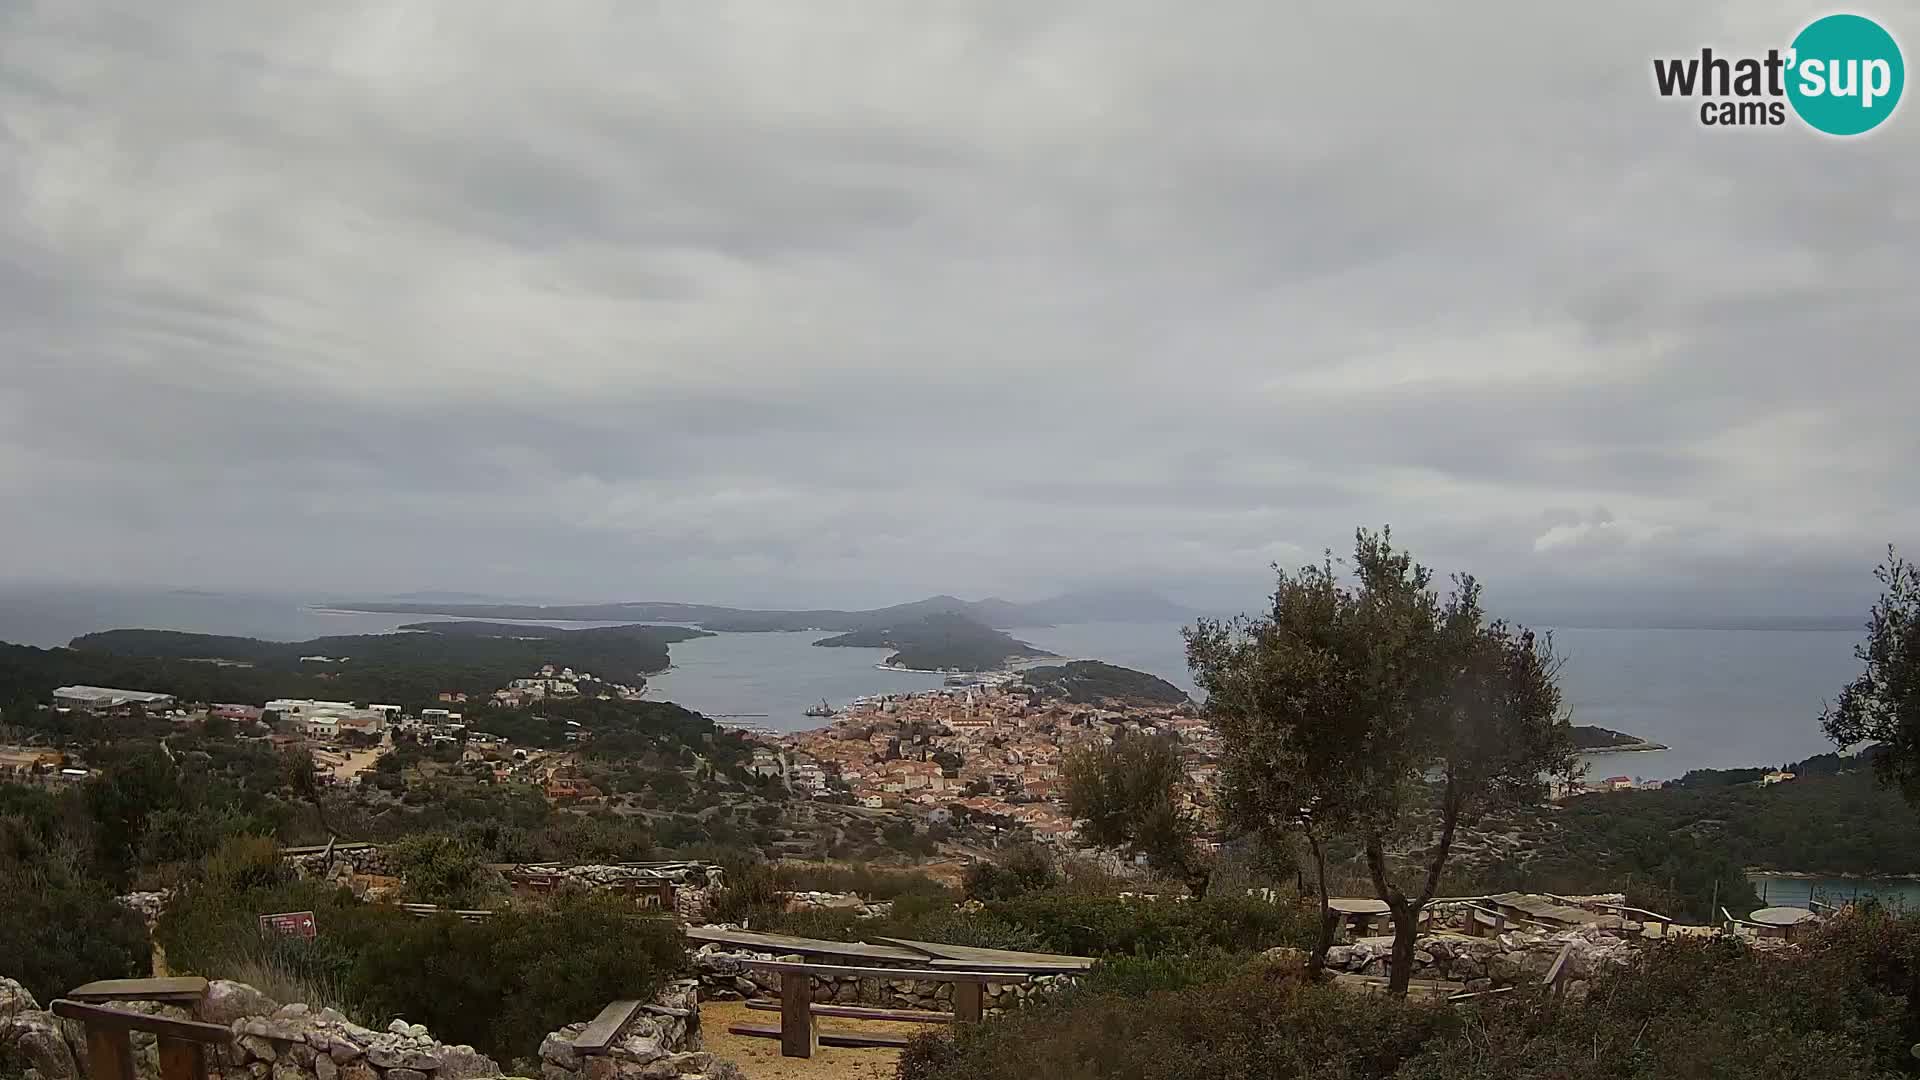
1626,748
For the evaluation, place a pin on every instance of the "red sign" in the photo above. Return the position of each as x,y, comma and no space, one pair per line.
289,924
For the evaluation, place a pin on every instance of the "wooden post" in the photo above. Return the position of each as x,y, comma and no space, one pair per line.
109,1054
181,1059
967,1004
799,1032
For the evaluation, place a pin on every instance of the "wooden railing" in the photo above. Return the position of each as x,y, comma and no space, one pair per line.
183,1043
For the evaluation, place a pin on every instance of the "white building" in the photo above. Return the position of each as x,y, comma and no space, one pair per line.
106,697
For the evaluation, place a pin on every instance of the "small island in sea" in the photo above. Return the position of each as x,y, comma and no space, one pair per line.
940,642
1598,740
1092,682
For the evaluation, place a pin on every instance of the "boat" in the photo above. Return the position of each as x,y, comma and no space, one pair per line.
822,709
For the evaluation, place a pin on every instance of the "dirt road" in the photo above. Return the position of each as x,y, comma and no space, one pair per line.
360,761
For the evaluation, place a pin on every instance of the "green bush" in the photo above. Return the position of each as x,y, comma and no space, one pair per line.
1026,869
1261,1024
59,926
1137,976
1105,926
499,984
445,870
1836,1007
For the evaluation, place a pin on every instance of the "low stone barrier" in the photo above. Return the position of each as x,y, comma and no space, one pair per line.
827,901
1489,963
660,1042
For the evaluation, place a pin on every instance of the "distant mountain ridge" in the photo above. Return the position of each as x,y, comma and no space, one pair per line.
1087,605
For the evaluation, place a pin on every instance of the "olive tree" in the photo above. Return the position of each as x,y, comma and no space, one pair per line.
1286,710
1367,703
1129,792
1882,705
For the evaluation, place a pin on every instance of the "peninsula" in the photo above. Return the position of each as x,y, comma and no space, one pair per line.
1598,740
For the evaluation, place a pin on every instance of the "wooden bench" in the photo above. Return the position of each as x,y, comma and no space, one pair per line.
799,1032
184,988
183,1043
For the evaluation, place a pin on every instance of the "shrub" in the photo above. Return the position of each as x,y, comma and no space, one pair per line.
503,983
1836,1007
58,926
441,869
1105,926
1265,1024
1026,869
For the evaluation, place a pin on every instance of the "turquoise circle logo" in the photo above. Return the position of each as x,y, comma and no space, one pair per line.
1847,75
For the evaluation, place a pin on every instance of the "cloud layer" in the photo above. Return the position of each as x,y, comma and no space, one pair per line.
772,303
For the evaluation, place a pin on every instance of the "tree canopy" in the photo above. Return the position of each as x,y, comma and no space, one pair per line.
1129,792
1361,699
1883,704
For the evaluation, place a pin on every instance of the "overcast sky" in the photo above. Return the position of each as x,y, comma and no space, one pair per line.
782,303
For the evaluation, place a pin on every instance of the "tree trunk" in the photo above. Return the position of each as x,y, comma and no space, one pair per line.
1328,920
1406,928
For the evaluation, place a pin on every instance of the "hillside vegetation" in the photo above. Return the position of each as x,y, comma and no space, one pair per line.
1091,682
404,668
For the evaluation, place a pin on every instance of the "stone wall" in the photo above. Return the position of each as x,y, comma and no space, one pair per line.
827,901
660,1042
369,859
1489,963
297,1042
280,1042
723,977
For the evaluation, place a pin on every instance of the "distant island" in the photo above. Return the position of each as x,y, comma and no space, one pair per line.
1091,682
940,642
1598,740
1106,605
407,668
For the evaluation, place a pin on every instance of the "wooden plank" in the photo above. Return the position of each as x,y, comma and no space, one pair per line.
1005,969
1559,963
183,988
96,1016
109,1053
828,1038
787,943
601,1030
182,1059
915,974
799,1031
992,957
967,1004
861,1012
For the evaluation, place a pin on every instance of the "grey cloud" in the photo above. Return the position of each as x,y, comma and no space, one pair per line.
717,302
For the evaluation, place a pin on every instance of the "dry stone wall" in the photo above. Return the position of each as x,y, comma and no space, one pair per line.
660,1042
297,1042
1489,963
